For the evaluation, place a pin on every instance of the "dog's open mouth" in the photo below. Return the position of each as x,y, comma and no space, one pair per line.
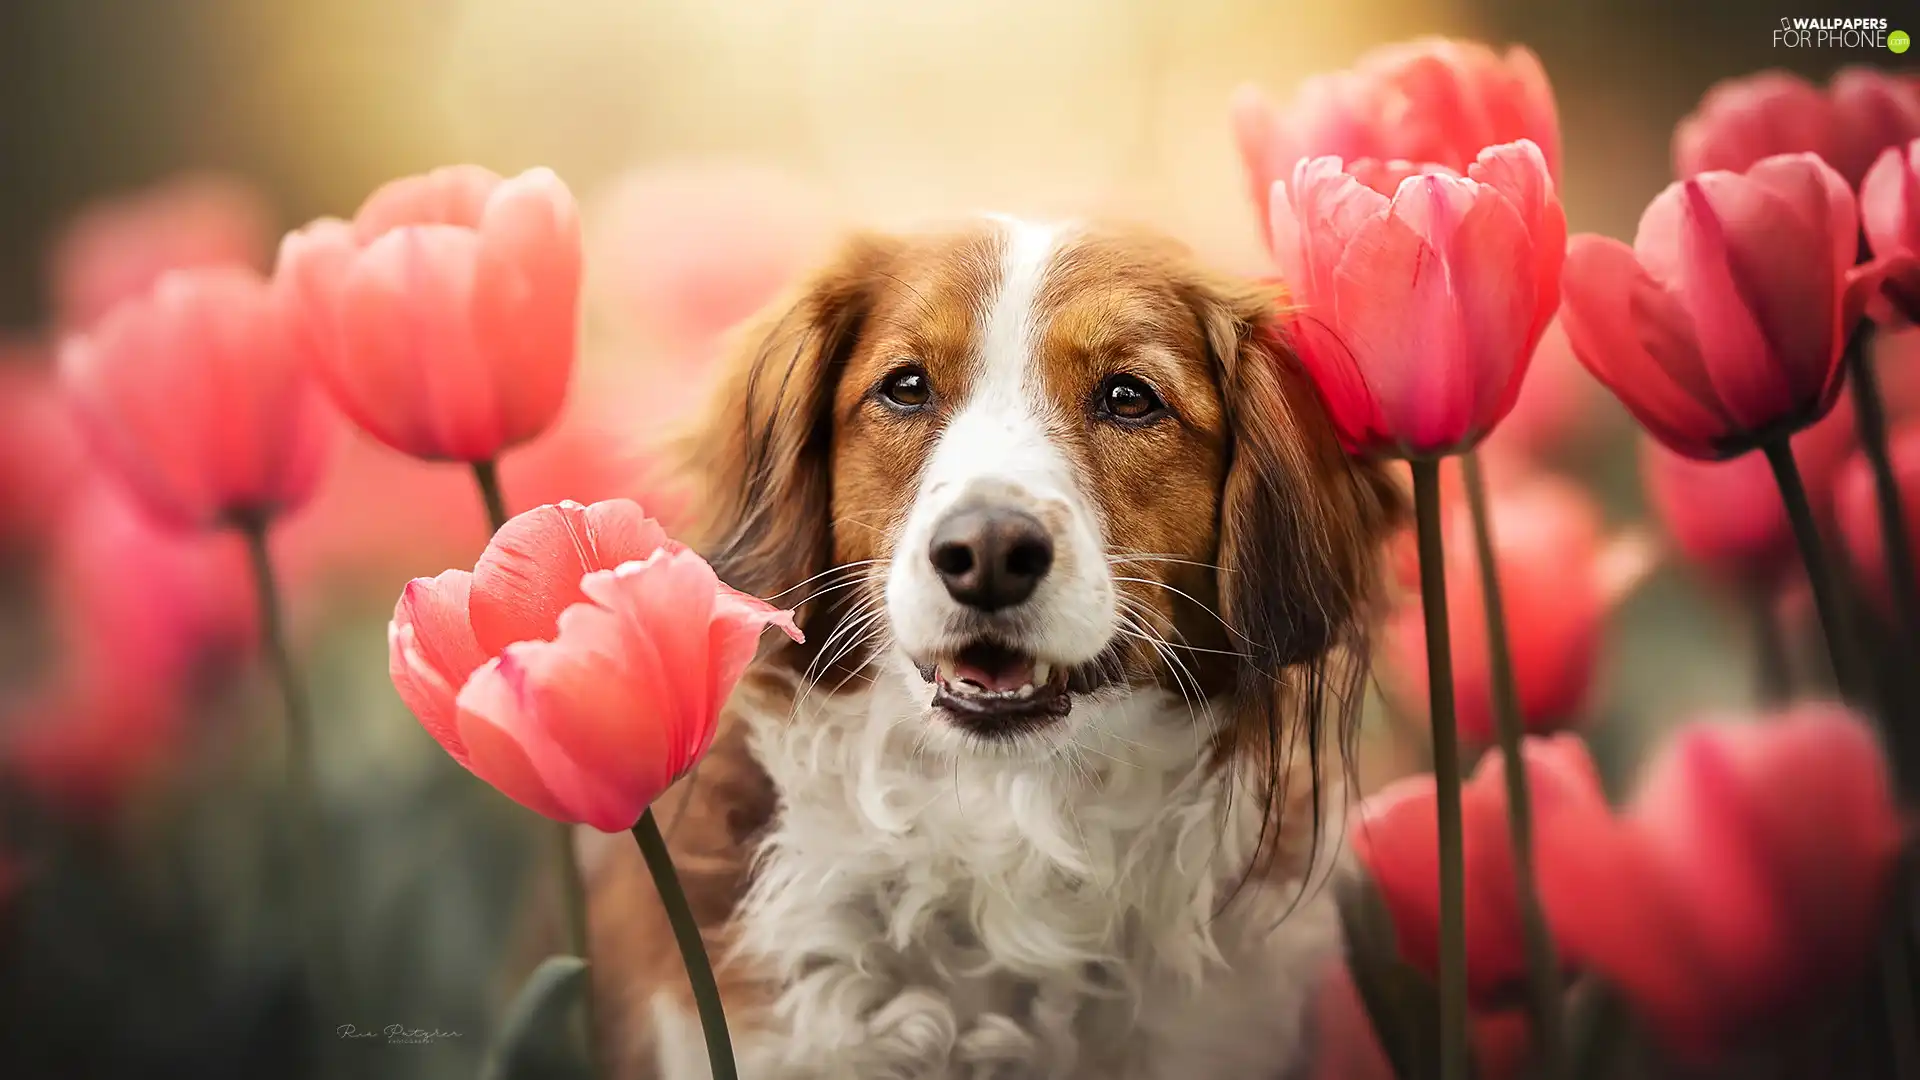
994,687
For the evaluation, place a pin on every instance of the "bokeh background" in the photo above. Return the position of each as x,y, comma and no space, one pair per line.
718,146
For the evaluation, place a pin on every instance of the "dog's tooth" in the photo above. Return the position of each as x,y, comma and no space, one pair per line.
1041,672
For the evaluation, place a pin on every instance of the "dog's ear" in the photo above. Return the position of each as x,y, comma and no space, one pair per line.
1302,524
761,450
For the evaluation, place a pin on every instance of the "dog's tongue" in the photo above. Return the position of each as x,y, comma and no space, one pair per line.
993,668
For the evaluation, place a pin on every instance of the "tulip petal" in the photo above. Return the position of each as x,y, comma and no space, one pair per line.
410,362
508,747
1686,245
1496,306
1741,121
452,195
1313,222
1518,171
526,294
1399,319
431,652
738,622
197,396
532,568
1890,201
312,270
1695,822
1613,311
1830,871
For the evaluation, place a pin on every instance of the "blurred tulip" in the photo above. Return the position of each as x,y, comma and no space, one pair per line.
1896,362
1873,110
580,668
152,605
443,317
1419,311
1561,409
42,456
1431,101
195,396
683,252
1346,1046
141,616
1757,860
1395,840
118,248
381,514
1743,120
89,741
1727,516
1857,508
1560,577
1724,324
1890,216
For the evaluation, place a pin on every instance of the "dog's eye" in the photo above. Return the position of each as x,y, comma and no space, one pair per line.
1127,397
906,388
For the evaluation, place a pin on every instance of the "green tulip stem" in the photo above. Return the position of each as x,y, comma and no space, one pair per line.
1543,967
693,950
309,841
1454,1054
1826,587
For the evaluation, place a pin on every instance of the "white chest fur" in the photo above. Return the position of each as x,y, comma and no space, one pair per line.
930,917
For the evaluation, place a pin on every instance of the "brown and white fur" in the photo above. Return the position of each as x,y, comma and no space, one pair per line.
1124,880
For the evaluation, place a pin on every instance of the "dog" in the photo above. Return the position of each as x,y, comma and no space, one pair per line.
1049,791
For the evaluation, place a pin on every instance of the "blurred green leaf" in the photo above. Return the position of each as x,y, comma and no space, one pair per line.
539,1037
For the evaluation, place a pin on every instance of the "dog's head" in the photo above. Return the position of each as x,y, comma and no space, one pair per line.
1025,470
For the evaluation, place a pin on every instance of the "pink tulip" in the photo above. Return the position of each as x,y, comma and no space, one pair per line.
128,596
1890,216
581,667
1896,362
196,397
89,741
42,454
1727,516
1419,310
1741,121
443,317
141,617
1857,509
682,253
118,248
1395,839
1431,101
1560,577
1747,878
1724,324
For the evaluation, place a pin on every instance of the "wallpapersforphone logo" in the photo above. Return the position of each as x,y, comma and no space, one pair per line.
1863,33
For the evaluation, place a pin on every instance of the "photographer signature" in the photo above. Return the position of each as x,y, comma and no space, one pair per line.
396,1034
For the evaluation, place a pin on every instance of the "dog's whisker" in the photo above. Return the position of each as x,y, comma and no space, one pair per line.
824,590
1115,560
829,572
1190,597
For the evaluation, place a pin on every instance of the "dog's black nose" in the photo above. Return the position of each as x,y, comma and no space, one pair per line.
990,558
